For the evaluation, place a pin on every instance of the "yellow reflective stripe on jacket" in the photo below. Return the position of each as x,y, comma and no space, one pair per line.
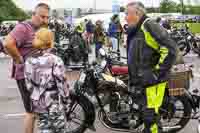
80,28
149,39
155,95
163,51
163,54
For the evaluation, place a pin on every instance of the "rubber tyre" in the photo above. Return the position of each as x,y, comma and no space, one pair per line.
186,113
84,105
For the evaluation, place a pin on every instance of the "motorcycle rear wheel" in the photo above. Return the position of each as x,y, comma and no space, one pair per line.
183,47
171,110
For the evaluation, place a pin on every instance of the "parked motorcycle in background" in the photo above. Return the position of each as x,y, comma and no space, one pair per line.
186,41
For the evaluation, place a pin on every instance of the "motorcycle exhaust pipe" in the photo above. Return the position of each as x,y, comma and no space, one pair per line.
165,129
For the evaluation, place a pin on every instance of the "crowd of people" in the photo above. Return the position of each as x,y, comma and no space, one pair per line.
98,35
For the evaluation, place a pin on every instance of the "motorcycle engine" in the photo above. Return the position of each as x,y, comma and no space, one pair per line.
123,106
121,111
120,105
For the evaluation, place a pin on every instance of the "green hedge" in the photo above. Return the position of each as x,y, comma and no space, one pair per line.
194,27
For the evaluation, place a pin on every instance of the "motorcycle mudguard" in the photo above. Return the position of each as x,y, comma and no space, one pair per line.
110,78
89,107
119,70
191,100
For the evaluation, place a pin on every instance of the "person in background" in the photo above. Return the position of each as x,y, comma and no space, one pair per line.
99,37
84,24
165,23
89,32
114,31
80,29
158,20
18,44
125,29
88,35
58,29
46,82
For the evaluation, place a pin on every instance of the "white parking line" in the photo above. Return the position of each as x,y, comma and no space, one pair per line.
15,115
191,55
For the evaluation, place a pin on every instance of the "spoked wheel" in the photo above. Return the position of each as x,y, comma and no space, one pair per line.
196,47
176,115
75,116
184,49
62,36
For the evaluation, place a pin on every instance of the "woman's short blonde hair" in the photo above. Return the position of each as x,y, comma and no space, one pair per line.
44,39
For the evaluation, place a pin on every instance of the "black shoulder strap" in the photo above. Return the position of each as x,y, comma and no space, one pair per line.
151,32
54,77
38,85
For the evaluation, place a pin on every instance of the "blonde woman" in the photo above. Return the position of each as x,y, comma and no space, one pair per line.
45,79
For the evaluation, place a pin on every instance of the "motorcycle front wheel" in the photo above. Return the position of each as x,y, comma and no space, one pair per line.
76,115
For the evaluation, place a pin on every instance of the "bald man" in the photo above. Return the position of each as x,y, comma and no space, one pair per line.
18,44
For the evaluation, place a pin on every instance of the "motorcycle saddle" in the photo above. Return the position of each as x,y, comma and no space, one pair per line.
119,70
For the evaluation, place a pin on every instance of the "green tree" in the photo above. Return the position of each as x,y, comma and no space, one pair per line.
9,11
192,10
167,6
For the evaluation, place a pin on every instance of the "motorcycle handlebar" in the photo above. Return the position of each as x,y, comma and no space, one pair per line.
114,52
118,63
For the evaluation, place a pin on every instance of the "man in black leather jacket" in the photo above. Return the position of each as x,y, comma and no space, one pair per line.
151,53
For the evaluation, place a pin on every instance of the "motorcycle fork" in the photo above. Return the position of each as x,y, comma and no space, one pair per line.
71,108
95,81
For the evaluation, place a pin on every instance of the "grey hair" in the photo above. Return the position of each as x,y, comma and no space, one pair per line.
44,5
139,6
40,5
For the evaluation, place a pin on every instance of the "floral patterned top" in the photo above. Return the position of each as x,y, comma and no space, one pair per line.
45,79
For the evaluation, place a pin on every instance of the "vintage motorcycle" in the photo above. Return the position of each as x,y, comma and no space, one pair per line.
119,109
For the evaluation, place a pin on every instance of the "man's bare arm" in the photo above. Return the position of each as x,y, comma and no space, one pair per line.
11,49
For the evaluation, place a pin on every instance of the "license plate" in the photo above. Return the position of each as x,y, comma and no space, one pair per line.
82,77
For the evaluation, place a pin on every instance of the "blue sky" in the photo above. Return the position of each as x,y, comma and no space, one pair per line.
100,4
